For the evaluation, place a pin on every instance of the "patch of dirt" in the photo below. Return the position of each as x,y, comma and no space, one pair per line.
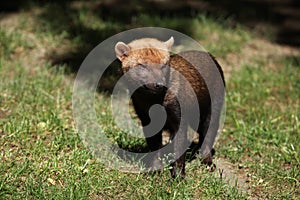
233,175
2,115
34,53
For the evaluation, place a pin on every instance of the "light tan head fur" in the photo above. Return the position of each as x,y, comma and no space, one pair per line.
143,51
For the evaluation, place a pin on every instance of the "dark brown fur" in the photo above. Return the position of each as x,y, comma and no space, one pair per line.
144,98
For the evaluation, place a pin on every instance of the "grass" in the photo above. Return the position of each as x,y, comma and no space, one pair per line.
42,156
263,131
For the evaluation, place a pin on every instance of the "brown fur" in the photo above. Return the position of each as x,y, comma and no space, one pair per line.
145,56
149,58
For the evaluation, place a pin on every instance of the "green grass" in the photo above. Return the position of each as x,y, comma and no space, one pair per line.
262,127
42,156
11,42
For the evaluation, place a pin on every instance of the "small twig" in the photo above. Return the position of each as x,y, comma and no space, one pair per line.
221,173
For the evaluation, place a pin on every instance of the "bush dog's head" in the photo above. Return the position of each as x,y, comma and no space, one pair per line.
146,62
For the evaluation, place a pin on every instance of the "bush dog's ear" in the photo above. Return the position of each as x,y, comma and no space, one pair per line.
121,50
169,43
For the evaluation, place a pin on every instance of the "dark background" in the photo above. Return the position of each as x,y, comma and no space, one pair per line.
282,16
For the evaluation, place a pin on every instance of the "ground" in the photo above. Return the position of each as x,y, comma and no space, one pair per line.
257,154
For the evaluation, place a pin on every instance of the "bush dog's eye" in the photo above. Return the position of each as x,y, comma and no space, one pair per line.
141,65
164,67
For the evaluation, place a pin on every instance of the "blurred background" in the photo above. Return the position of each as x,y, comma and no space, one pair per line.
283,16
81,25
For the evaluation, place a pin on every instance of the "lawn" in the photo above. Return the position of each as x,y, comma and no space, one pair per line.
42,156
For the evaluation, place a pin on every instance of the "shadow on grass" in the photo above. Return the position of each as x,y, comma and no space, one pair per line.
293,60
89,23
